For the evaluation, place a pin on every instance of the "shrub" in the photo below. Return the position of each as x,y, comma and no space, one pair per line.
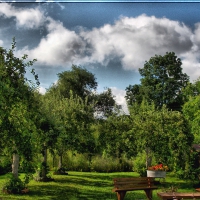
103,164
14,186
139,164
97,163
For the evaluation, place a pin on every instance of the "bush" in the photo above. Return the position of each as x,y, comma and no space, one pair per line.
139,164
76,162
101,164
14,186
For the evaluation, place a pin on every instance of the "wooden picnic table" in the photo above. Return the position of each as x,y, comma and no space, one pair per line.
178,195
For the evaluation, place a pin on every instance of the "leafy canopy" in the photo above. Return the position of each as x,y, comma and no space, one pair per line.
162,82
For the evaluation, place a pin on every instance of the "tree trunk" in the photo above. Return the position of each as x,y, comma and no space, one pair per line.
148,157
60,162
15,164
44,163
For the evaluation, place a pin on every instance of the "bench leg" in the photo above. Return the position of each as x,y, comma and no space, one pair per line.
121,195
148,194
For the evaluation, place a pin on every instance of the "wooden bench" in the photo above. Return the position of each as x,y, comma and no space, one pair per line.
178,195
122,185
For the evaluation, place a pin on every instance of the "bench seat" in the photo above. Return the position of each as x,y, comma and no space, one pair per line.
122,185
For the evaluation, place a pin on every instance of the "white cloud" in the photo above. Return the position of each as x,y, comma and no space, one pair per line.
42,90
59,47
137,39
26,17
132,40
120,98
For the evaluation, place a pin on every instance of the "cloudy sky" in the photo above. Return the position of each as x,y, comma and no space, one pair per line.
111,40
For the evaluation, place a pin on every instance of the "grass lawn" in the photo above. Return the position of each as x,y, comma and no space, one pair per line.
88,186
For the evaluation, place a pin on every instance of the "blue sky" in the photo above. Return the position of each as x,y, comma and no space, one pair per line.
111,40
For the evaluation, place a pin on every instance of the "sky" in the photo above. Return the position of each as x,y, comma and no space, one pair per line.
112,40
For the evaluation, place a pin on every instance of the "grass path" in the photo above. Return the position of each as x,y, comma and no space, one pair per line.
87,186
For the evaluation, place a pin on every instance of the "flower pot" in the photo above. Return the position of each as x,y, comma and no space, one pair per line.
156,173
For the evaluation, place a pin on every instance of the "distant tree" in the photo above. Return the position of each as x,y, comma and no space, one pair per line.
133,94
105,103
83,83
191,90
80,81
162,82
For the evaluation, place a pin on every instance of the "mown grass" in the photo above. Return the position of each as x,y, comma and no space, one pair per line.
88,186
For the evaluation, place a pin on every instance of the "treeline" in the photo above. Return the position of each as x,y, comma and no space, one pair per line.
71,118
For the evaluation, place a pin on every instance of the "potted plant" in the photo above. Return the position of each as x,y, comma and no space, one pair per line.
157,171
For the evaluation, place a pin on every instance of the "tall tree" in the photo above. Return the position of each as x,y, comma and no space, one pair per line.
162,82
163,132
73,118
16,97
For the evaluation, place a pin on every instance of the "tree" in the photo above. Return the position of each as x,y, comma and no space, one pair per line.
162,82
46,136
133,94
80,81
16,97
73,118
104,103
83,83
112,135
191,90
163,133
191,111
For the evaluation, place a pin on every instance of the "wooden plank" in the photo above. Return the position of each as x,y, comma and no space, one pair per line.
179,195
132,189
135,179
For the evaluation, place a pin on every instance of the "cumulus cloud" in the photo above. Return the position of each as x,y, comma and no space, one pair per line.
27,18
136,39
132,40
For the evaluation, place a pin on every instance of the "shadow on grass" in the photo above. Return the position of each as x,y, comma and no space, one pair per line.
84,186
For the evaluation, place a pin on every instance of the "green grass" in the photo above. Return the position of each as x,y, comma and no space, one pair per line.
88,186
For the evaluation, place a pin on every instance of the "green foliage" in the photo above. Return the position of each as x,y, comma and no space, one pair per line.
14,185
97,163
78,80
163,132
191,110
139,164
112,134
16,103
5,165
162,82
105,103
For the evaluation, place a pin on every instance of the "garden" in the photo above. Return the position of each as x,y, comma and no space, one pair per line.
70,142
